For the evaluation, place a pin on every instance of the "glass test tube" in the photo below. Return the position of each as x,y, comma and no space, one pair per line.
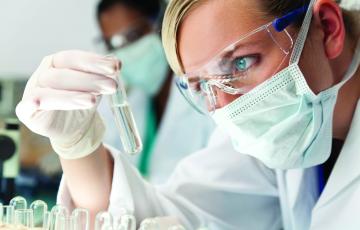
24,218
58,212
125,222
104,221
18,202
81,219
41,214
149,224
125,122
6,215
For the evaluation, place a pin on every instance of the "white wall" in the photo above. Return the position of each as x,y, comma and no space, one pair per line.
31,29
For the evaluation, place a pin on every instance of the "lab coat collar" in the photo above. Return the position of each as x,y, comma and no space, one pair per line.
302,183
302,195
347,167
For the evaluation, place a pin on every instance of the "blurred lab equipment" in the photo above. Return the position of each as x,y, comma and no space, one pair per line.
18,214
105,221
20,150
9,136
10,94
9,158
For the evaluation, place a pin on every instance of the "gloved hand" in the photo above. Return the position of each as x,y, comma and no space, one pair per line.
61,97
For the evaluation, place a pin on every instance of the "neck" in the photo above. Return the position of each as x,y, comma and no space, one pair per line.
348,95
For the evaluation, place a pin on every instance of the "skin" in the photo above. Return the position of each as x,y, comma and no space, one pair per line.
118,18
94,173
199,42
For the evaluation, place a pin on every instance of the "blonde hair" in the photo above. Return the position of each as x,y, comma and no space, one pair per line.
178,9
175,13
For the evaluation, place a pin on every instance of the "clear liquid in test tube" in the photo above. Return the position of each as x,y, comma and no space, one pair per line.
125,122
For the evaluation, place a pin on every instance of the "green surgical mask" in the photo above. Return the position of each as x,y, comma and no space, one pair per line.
144,64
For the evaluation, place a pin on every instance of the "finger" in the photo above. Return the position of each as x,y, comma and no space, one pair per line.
25,109
47,99
73,80
52,99
86,62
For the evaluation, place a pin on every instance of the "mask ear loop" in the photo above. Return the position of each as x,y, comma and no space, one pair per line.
352,68
303,34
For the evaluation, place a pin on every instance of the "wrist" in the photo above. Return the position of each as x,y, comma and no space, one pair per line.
82,145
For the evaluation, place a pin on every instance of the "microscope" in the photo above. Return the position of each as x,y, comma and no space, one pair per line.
10,94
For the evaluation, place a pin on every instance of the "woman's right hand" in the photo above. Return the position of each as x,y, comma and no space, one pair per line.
61,97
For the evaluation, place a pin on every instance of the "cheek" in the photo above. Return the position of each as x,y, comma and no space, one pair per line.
225,99
316,68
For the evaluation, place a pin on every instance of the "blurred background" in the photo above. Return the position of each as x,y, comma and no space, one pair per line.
30,31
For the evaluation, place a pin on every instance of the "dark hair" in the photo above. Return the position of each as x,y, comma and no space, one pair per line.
149,8
281,7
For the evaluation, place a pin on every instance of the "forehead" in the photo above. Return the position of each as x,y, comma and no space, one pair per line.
118,18
213,25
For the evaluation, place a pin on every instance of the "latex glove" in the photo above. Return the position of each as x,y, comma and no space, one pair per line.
61,97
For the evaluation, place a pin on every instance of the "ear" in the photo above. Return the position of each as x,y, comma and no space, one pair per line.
328,16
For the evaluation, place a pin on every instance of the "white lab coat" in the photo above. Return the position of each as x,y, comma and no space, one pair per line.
351,4
222,189
182,131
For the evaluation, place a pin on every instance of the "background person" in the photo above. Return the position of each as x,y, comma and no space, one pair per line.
130,31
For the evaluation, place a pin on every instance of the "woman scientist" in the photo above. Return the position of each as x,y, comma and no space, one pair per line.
282,85
129,32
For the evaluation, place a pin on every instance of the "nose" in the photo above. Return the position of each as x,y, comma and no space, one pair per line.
223,99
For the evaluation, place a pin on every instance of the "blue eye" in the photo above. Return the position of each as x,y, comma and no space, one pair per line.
242,64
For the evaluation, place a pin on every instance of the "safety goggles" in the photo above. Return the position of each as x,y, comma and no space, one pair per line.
126,37
240,67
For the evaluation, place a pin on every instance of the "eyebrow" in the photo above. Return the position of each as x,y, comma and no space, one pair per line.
229,50
230,53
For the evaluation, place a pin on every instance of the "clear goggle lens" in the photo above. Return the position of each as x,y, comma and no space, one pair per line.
237,69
